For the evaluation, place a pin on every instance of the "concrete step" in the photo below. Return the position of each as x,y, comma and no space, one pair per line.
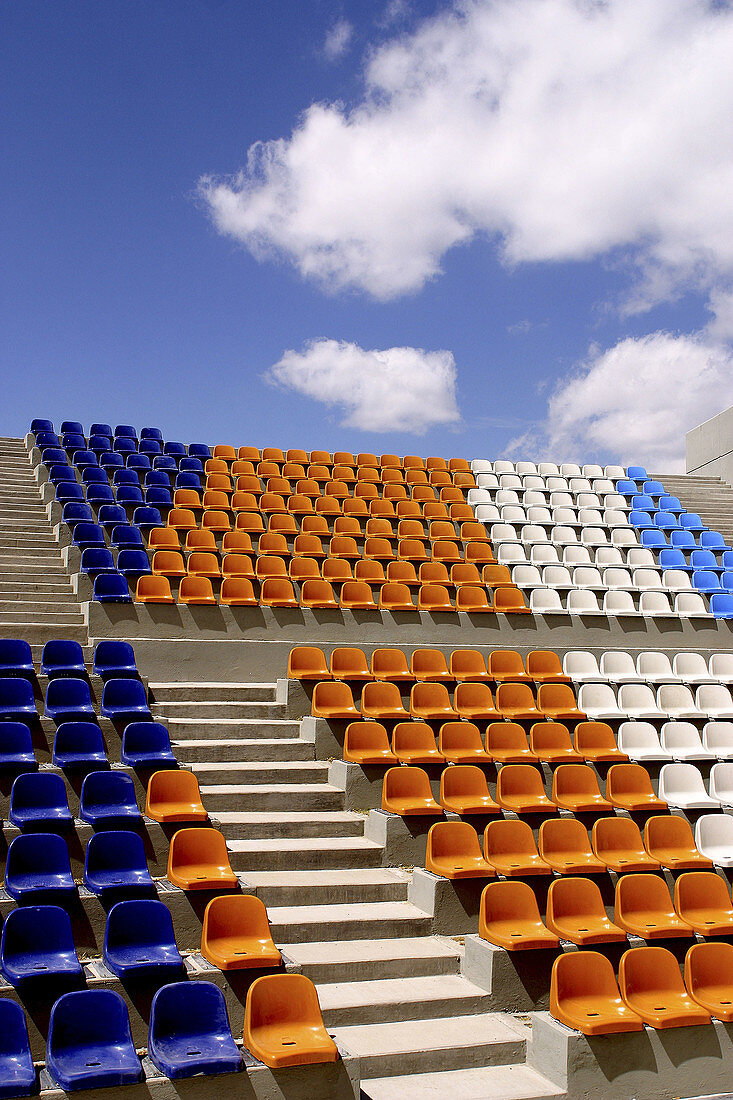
511,1082
441,1044
364,960
36,634
389,1000
224,692
304,854
29,597
272,796
268,771
269,826
276,748
225,729
37,618
327,886
368,920
221,711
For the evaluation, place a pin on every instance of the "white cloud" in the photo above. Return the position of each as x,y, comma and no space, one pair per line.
389,390
633,403
558,129
338,39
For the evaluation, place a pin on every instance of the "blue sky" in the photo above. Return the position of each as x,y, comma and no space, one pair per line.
520,203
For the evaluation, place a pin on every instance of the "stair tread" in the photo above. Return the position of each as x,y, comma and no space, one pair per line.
432,987
407,1036
373,875
366,910
355,951
304,844
511,1082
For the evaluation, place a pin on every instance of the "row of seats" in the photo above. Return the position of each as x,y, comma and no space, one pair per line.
650,666
62,657
430,700
349,663
81,746
636,700
68,699
549,469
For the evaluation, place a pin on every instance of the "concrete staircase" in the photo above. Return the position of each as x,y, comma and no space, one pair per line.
391,992
710,497
36,597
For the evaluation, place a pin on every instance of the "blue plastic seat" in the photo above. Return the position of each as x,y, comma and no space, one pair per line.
139,940
69,699
189,1031
115,865
111,588
60,471
692,522
125,700
188,480
70,492
150,447
637,473
640,519
16,749
713,540
706,581
16,658
79,745
173,447
126,477
705,559
72,426
683,540
147,744
123,445
199,450
83,458
643,502
41,425
146,517
37,942
727,559
158,478
653,538
721,605
626,488
16,698
90,1043
113,659
726,582
76,511
108,800
129,494
672,558
138,462
94,475
126,430
38,803
158,497
62,657
53,456
101,429
110,460
38,868
665,521
100,444
133,562
151,433
88,534
191,465
653,488
100,494
165,462
111,515
669,503
72,442
17,1072
47,439
124,534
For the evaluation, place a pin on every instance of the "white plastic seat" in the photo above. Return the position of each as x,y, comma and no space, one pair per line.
587,576
557,576
721,783
543,553
561,500
608,555
544,601
603,485
581,601
503,466
582,667
539,514
533,482
579,485
557,484
639,557
638,701
481,466
614,517
523,468
576,555
692,668
714,838
527,576
690,605
533,498
677,701
488,482
593,536
590,517
511,553
503,532
592,469
587,500
681,785
640,741
599,701
646,580
479,496
619,602
487,513
655,668
721,667
563,536
676,580
618,666
714,700
717,737
564,515
548,469
682,741
513,513
532,533
614,471
503,497
615,576
570,469
616,501
655,604
624,536
509,481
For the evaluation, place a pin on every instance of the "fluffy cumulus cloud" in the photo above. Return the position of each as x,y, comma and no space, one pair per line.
389,390
338,39
556,129
634,402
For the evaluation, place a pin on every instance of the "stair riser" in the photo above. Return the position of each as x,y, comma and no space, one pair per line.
224,731
321,860
217,711
443,1059
271,801
322,895
305,773
376,970
399,1012
198,693
244,752
291,830
329,931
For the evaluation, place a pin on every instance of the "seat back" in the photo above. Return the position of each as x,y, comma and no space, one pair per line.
462,780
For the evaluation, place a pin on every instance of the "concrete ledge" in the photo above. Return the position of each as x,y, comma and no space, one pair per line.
403,839
518,981
453,904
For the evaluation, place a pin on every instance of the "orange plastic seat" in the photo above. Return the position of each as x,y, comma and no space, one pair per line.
651,985
434,572
470,530
199,540
390,664
378,548
464,790
196,591
286,525
563,843
617,842
315,525
202,563
324,457
709,978
575,912
238,592
186,498
406,791
225,452
644,908
343,546
519,787
236,542
595,741
575,787
357,596
168,563
558,702
219,483
163,538
243,501
315,592
460,743
349,663
318,471
382,700
382,508
336,570
306,487
270,565
174,796
429,665
702,900
215,499
465,572
433,597
545,667
411,550
395,597
152,589
198,860
510,848
370,571
453,851
431,701
472,600
629,787
273,542
236,934
272,502
669,840
304,569
283,1025
507,664
379,526
355,506
251,454
414,743
333,700
411,529
516,702
327,505
550,741
402,572
468,664
509,601
413,462
442,529
216,520
475,702
509,917
367,743
506,742
248,483
308,546
446,551
306,662
277,592
584,995
249,522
